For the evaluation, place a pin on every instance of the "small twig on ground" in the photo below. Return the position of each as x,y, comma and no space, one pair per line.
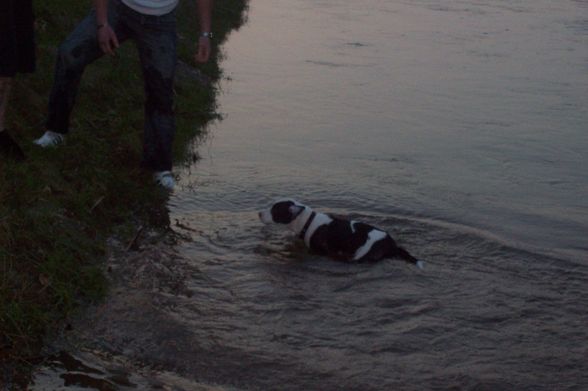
133,243
98,202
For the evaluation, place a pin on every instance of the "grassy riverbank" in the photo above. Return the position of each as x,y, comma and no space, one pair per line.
58,208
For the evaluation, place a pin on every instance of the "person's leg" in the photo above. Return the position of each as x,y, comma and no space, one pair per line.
75,53
157,42
7,145
5,84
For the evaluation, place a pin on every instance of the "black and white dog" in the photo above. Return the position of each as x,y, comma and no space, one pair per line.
335,237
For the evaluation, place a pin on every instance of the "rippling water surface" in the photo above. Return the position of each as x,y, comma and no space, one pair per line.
458,126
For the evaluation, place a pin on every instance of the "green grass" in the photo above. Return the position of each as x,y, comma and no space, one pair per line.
59,207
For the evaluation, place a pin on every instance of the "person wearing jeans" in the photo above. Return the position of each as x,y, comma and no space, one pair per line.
151,24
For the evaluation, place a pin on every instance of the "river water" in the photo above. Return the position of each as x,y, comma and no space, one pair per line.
458,126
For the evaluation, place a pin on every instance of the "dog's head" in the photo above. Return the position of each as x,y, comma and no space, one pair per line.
282,212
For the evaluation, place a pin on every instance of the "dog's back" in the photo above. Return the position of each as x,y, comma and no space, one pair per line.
340,238
355,241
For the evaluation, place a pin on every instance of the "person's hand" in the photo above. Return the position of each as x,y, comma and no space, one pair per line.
203,53
107,39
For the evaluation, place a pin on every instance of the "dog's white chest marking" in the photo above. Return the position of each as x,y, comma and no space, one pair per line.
319,220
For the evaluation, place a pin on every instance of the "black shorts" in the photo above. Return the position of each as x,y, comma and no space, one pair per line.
17,37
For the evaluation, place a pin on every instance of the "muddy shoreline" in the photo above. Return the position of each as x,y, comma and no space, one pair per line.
106,346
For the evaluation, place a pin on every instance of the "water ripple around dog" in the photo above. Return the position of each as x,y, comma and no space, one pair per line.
388,317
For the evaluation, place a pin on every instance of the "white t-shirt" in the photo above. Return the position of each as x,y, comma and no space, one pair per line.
152,7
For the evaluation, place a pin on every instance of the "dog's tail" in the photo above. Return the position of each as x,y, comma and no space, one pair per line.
401,253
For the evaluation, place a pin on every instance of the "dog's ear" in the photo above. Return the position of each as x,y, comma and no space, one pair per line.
295,210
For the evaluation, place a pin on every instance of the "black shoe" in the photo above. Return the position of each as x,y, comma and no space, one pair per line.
9,147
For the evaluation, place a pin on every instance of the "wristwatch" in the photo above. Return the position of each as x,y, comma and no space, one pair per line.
206,34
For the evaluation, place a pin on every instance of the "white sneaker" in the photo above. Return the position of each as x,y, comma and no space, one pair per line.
164,179
50,139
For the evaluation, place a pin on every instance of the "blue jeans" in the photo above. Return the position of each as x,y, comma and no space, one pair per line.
156,41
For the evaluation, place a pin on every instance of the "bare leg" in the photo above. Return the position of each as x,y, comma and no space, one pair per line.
8,146
5,84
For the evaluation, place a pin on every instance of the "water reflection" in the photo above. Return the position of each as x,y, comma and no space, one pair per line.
450,112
